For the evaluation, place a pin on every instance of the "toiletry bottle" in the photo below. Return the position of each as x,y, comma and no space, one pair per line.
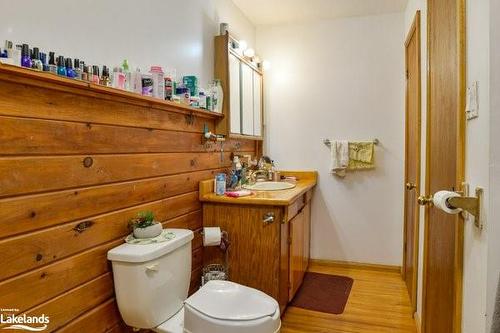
147,85
36,63
15,54
52,63
91,73
118,78
218,96
126,72
158,82
77,68
70,72
6,53
61,67
43,59
220,184
95,74
85,73
191,81
104,81
25,56
135,83
7,46
169,84
202,102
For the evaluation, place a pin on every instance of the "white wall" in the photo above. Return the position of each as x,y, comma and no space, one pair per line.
341,79
477,163
477,169
174,34
494,214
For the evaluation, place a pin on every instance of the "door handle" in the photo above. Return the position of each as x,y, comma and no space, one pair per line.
410,186
425,200
268,218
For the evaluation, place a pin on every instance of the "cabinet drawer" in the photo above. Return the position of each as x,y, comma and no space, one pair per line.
294,208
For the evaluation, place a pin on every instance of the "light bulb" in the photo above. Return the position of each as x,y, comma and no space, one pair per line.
249,53
243,45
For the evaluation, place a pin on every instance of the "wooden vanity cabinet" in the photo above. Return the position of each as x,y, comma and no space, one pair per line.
271,256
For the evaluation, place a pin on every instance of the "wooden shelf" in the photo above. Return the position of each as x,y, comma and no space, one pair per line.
52,81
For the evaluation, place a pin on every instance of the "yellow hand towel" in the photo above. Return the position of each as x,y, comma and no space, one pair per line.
361,155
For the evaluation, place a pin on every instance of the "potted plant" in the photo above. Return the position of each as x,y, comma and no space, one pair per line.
145,226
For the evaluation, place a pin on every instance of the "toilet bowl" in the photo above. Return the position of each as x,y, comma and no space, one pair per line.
152,282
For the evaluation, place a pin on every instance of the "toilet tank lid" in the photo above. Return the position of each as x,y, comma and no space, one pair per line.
227,300
142,253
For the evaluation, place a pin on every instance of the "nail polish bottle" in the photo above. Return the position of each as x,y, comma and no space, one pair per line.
104,81
70,72
25,56
85,73
52,63
36,63
95,74
61,69
43,59
77,69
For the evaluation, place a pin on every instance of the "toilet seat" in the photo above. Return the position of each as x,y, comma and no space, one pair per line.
226,300
225,307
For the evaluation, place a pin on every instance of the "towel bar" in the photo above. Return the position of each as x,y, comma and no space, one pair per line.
328,142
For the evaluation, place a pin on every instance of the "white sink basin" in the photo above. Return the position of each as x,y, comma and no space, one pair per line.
269,186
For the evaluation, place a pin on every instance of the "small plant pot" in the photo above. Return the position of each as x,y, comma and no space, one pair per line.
149,232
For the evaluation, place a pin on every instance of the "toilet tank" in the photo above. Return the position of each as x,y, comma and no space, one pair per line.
152,281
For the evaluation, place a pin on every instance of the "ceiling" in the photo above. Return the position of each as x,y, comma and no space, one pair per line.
265,12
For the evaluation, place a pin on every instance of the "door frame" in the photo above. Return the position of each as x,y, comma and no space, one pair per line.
460,167
415,31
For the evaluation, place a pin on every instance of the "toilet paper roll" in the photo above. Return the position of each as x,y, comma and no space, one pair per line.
212,236
440,200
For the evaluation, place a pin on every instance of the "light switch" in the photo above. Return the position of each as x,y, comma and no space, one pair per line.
472,106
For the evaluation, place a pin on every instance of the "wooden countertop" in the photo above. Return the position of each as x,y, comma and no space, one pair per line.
306,180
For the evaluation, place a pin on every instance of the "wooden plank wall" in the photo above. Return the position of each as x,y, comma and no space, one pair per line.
75,166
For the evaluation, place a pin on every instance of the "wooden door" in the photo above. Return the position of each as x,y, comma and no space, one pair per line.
234,99
443,244
412,160
246,99
297,269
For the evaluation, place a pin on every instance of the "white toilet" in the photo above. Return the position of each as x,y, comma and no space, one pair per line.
152,282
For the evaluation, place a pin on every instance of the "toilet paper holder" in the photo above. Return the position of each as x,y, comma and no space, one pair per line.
472,205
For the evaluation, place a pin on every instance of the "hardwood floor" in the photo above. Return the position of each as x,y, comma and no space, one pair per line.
378,303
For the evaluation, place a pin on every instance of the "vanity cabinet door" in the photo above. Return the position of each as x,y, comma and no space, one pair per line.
307,235
246,100
234,98
297,252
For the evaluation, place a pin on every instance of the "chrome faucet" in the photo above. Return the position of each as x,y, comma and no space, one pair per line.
258,174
